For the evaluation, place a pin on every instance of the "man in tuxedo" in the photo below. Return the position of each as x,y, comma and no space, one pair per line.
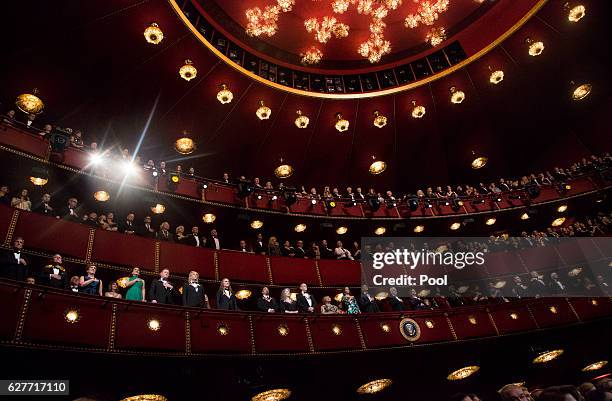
44,207
161,291
164,233
214,242
537,286
260,247
193,293
396,303
128,226
266,303
91,219
555,285
70,211
242,247
306,303
13,264
54,274
299,250
326,252
194,239
146,230
5,198
367,303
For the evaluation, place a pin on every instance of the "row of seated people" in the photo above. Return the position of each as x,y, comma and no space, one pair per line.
14,265
557,176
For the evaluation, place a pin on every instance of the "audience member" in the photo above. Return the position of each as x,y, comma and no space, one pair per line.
161,291
286,304
113,291
327,308
13,264
89,284
135,286
193,293
226,299
266,303
305,301
54,274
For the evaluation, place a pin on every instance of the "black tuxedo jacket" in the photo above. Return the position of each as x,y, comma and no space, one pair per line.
64,213
10,267
191,240
302,303
396,305
210,243
193,297
226,303
40,208
299,253
259,247
45,279
125,226
366,305
159,293
326,253
263,305
142,231
161,237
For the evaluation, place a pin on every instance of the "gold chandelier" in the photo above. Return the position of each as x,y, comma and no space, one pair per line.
341,125
419,229
39,176
595,366
380,230
558,222
263,112
146,397
575,13
153,34
417,110
457,96
209,218
283,171
548,356
188,71
535,47
300,228
496,76
256,224
301,121
312,56
158,208
435,36
185,145
277,394
30,103
374,48
377,166
581,91
427,13
341,230
490,221
101,196
224,96
479,161
374,386
379,120
455,226
463,373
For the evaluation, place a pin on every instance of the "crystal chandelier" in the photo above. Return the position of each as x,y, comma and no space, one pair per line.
340,6
283,170
301,121
575,13
285,5
535,48
323,30
188,71
379,120
263,112
185,145
262,22
457,96
427,13
581,91
311,56
342,124
377,166
435,36
153,34
418,111
224,96
30,103
496,76
375,48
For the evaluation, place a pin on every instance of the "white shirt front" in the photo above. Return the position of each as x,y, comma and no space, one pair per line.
197,239
308,299
217,246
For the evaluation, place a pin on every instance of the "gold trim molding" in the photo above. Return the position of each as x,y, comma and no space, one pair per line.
402,88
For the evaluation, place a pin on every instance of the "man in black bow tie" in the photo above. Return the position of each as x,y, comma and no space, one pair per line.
161,291
12,262
54,274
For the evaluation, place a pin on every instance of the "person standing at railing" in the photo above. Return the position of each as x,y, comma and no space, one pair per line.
349,302
13,265
135,286
226,299
266,303
54,274
193,293
22,201
305,301
89,284
162,291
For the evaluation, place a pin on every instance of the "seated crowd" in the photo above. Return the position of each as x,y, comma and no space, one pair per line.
430,196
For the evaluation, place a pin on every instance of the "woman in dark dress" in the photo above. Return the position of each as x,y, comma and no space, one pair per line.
226,299
287,305
89,284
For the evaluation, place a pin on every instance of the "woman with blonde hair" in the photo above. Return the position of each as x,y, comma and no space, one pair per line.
193,292
327,308
273,247
287,305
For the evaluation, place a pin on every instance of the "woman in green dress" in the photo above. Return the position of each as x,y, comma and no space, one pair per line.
349,302
135,286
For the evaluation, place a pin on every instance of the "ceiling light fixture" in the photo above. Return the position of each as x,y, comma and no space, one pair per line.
455,226
419,229
435,36
581,91
342,125
256,224
300,228
101,196
535,48
377,166
548,356
575,13
225,96
417,110
380,230
427,13
457,96
562,208
463,373
379,120
263,112
525,216
594,366
277,394
496,76
209,218
312,56
340,6
283,170
301,121
158,208
479,161
188,71
374,48
490,221
185,145
153,34
146,397
30,103
558,221
375,386
341,230
262,22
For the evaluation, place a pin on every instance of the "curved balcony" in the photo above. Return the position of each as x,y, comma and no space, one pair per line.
21,142
40,317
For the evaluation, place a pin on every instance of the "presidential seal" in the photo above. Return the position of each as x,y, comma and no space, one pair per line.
410,329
